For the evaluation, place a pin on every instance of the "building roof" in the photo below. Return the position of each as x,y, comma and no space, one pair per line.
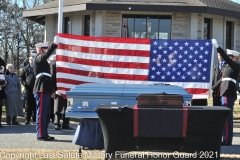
218,7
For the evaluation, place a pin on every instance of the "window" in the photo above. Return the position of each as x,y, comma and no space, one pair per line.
87,25
145,26
207,28
229,34
66,25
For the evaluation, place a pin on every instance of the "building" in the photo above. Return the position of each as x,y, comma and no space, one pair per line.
167,19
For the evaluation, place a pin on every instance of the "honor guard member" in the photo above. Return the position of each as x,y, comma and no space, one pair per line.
228,88
60,104
217,75
43,88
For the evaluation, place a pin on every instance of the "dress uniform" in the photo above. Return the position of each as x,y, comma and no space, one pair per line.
228,88
51,61
43,88
60,104
217,75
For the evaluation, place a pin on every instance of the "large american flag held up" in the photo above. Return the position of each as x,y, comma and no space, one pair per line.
185,63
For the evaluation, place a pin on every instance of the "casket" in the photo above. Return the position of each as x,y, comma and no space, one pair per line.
84,98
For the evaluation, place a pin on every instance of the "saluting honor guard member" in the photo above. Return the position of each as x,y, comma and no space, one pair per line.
227,88
43,88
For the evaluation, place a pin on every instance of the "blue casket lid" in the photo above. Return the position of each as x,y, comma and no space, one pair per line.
126,90
96,89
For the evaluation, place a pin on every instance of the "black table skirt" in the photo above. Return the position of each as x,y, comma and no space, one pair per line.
160,122
204,131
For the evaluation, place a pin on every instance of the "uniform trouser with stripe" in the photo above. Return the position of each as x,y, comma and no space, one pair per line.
43,101
228,129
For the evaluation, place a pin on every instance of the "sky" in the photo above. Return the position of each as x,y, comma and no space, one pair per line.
238,1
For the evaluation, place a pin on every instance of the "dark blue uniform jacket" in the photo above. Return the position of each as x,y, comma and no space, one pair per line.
40,65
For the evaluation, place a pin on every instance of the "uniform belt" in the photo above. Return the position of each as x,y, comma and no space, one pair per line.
229,79
43,73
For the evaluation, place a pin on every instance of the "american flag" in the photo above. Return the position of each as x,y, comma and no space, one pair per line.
186,63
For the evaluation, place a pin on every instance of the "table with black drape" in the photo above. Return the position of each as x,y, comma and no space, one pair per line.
163,128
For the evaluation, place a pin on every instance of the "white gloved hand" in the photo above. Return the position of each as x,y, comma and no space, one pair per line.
214,43
56,39
58,93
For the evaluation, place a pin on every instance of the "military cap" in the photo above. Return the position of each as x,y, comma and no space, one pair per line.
232,53
42,45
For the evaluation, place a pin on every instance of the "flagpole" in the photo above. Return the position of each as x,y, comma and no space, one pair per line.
60,16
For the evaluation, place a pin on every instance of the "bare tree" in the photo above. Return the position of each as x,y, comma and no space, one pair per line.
6,27
15,44
17,34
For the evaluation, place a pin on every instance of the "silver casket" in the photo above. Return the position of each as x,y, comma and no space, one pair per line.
84,98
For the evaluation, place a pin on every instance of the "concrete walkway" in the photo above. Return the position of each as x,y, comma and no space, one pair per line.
23,137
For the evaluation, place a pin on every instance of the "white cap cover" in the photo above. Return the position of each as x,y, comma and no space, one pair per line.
233,53
42,45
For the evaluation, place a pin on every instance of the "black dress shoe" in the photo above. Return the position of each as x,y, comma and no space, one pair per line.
45,138
226,144
1,126
57,126
27,122
15,123
67,128
52,138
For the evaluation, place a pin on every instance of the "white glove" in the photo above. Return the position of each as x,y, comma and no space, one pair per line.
56,40
214,42
58,93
